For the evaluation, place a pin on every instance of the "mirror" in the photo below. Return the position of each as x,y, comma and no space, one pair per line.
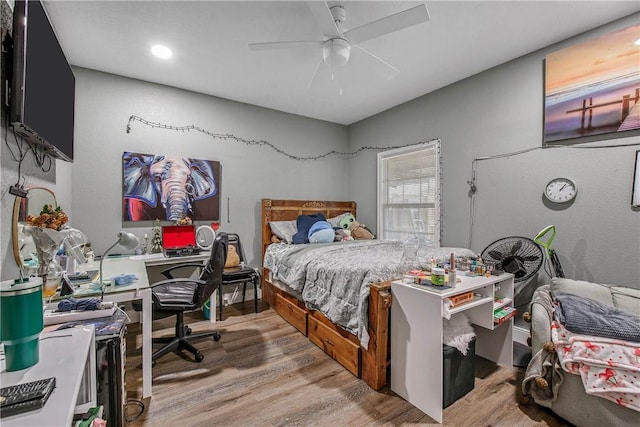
23,247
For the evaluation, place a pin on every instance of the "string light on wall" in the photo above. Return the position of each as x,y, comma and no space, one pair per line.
262,143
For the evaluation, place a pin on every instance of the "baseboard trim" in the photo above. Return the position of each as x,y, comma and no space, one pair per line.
520,335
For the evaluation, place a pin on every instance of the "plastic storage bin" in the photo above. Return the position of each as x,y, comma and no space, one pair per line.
458,373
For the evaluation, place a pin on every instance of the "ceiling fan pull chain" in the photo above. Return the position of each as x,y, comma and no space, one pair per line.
331,59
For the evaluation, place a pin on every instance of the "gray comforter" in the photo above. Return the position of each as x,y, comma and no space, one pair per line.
334,278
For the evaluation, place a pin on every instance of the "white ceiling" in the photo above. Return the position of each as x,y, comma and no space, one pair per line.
209,40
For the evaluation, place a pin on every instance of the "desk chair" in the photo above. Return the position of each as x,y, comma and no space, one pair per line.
241,274
174,296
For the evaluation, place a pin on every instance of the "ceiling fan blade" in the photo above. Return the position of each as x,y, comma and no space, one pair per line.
324,18
315,73
415,15
394,69
301,44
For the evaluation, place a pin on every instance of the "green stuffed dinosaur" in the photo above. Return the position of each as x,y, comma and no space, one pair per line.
358,231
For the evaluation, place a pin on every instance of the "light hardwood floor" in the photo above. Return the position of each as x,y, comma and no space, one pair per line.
265,373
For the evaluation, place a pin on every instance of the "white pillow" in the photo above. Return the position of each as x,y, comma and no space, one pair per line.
284,230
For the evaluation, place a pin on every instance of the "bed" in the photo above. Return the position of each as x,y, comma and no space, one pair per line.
340,300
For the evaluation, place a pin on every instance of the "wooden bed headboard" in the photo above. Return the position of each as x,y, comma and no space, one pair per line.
288,210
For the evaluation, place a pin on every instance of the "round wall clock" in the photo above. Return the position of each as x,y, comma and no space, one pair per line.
561,190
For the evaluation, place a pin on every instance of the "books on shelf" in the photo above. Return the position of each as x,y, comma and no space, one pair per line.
460,299
503,314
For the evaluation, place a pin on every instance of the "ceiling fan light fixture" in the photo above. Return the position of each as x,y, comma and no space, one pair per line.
336,52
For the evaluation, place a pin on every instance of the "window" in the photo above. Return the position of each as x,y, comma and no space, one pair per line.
409,193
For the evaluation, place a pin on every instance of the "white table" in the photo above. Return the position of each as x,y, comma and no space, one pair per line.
416,340
138,290
155,263
151,260
70,356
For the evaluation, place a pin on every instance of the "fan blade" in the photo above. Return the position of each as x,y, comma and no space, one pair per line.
301,44
315,73
415,15
394,69
514,266
324,18
531,258
498,256
516,247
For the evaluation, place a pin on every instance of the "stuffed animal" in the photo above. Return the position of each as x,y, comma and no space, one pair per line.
342,235
304,224
358,231
321,232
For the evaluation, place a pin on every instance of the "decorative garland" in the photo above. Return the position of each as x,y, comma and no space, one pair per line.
262,142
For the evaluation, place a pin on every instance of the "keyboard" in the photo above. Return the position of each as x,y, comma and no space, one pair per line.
19,398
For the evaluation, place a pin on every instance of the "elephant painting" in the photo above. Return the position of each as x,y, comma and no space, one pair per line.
169,187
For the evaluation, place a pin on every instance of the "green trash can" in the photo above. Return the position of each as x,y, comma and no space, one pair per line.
206,310
21,321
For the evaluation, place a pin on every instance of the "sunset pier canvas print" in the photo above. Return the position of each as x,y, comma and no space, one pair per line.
593,87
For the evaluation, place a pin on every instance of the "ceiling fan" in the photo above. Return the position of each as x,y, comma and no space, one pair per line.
337,42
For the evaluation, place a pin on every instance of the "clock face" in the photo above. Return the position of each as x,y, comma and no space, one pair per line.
561,190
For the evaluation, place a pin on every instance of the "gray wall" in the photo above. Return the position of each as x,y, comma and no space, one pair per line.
495,112
35,177
104,103
500,111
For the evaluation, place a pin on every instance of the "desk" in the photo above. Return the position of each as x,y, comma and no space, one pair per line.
69,355
155,263
151,260
138,290
416,341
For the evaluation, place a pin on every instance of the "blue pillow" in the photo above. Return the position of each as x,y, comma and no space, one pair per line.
304,223
321,232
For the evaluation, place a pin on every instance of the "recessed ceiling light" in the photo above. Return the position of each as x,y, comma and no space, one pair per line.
161,51
637,43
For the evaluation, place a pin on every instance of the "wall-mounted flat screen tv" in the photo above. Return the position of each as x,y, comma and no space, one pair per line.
43,88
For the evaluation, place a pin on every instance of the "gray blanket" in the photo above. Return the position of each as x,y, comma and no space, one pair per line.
544,373
585,316
334,278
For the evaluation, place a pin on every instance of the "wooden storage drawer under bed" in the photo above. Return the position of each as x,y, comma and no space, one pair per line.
339,348
291,313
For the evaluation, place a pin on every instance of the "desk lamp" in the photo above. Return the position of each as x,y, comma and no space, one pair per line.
127,241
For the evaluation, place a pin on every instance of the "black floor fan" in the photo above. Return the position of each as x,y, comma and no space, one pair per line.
520,256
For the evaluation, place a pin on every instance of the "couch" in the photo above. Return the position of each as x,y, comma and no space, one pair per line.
564,393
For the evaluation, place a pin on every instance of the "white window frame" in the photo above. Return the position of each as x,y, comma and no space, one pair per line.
381,179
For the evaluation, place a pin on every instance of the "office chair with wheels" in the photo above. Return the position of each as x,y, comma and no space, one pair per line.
241,274
174,296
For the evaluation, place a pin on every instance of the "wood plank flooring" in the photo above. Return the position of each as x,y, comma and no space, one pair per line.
263,372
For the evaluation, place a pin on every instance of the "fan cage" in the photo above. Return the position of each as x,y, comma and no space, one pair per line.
518,255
